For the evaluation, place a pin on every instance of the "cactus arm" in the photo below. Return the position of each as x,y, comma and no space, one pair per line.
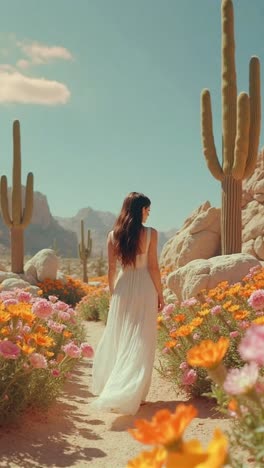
209,149
229,87
255,115
89,242
242,136
4,202
16,191
29,200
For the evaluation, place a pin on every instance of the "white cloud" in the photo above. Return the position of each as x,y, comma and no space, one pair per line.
18,88
41,54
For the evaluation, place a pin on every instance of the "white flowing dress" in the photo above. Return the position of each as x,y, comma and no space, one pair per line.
124,357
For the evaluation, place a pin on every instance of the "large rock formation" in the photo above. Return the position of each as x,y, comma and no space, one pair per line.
190,279
253,211
199,237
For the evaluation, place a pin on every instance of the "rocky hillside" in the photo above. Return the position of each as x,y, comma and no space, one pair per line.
100,223
43,232
62,234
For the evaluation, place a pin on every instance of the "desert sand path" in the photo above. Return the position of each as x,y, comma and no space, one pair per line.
70,435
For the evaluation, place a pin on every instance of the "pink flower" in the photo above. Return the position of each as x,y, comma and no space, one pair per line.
42,308
189,377
165,350
87,350
11,301
256,299
64,315
55,372
9,350
251,347
234,334
53,299
61,305
26,329
244,324
189,302
24,296
216,310
38,361
240,381
56,327
184,365
168,309
215,328
72,350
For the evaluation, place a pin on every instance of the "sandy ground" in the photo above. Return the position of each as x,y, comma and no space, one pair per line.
70,435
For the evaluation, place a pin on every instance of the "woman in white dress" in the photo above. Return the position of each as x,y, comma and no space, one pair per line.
124,357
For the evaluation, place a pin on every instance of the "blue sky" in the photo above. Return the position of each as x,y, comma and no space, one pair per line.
108,95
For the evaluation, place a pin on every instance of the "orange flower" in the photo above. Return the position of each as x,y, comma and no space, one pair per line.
153,459
4,317
184,330
192,454
170,344
27,349
42,340
196,322
67,334
208,353
5,331
227,304
159,319
165,428
179,318
241,314
232,405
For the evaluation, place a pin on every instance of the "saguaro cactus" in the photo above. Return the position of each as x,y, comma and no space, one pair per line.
85,251
20,218
241,117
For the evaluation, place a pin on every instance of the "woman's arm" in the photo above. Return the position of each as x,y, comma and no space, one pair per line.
153,266
111,263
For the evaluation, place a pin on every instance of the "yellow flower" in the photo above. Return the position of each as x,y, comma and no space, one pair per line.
192,454
233,308
153,459
208,353
196,322
4,317
259,320
165,428
203,312
27,349
227,304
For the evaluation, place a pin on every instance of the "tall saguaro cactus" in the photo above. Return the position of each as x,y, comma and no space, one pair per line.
20,217
241,116
85,251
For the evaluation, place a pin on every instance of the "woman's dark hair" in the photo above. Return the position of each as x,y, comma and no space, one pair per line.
128,226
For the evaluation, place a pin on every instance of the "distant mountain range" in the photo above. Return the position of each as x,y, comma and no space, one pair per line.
62,234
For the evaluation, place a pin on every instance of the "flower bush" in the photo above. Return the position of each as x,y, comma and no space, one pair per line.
240,392
40,342
71,291
165,432
95,305
226,311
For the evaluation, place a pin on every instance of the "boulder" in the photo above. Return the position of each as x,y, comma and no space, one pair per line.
199,237
42,266
200,274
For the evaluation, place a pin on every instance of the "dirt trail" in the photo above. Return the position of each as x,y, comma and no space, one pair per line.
70,435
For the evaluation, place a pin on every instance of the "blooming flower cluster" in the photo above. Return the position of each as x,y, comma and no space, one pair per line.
225,312
43,337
